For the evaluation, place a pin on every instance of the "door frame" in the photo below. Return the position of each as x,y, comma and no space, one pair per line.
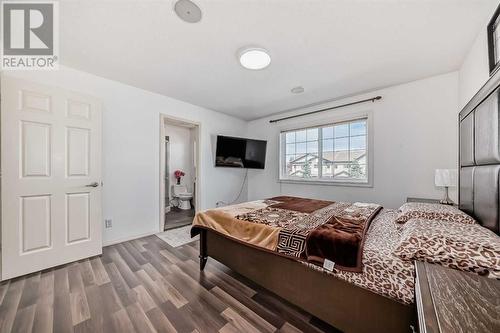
164,118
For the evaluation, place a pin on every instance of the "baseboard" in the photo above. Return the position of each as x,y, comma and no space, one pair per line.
125,239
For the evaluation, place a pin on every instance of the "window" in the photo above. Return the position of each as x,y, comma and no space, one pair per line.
494,41
336,153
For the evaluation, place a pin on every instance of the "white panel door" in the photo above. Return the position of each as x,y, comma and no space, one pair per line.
51,177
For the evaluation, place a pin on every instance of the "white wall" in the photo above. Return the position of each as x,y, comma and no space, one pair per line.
131,137
406,154
475,69
181,155
415,132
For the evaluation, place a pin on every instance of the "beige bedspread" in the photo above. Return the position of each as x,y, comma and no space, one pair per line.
257,234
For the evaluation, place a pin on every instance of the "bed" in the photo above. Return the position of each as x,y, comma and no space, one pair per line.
380,297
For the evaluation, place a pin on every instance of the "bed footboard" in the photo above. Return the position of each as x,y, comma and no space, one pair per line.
341,304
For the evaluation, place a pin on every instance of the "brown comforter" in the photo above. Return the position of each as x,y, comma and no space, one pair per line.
308,229
302,205
341,239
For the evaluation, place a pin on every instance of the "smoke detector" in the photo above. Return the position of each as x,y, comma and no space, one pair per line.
187,11
297,90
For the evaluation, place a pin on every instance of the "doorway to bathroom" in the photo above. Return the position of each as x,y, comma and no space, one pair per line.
179,172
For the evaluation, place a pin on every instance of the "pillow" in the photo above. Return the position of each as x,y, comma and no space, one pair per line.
466,247
432,212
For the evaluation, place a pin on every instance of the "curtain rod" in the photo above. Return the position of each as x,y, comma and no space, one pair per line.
373,99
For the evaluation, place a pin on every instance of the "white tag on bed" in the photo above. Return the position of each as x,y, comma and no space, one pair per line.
328,265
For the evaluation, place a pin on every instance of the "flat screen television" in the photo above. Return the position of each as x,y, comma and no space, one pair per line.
240,153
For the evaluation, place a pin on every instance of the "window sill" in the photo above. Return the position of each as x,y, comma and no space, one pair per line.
326,182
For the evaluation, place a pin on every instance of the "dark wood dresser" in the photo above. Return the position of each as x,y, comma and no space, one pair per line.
452,301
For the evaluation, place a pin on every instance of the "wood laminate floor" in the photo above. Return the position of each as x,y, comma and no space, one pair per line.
145,285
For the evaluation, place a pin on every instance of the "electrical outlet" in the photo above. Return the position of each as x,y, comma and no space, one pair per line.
108,223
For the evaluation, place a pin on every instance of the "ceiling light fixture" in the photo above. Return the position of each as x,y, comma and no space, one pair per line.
297,90
187,11
254,58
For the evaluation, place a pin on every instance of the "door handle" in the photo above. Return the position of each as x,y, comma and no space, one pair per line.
94,184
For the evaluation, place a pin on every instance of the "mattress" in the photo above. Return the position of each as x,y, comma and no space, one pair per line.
382,272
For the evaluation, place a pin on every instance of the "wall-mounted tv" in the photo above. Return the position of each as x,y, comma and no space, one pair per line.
240,153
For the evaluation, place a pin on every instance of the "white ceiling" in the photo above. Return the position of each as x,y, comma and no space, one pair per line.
332,48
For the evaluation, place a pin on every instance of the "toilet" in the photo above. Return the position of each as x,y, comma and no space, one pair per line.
183,196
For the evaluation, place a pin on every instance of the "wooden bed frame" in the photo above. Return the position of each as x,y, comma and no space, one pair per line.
339,303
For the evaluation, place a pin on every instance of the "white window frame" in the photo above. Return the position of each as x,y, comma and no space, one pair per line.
324,122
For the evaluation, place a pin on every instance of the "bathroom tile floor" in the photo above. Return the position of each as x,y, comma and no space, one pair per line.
177,218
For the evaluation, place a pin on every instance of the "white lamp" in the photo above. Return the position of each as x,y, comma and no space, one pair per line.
446,178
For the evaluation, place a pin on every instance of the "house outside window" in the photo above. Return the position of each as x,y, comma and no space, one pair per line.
334,153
